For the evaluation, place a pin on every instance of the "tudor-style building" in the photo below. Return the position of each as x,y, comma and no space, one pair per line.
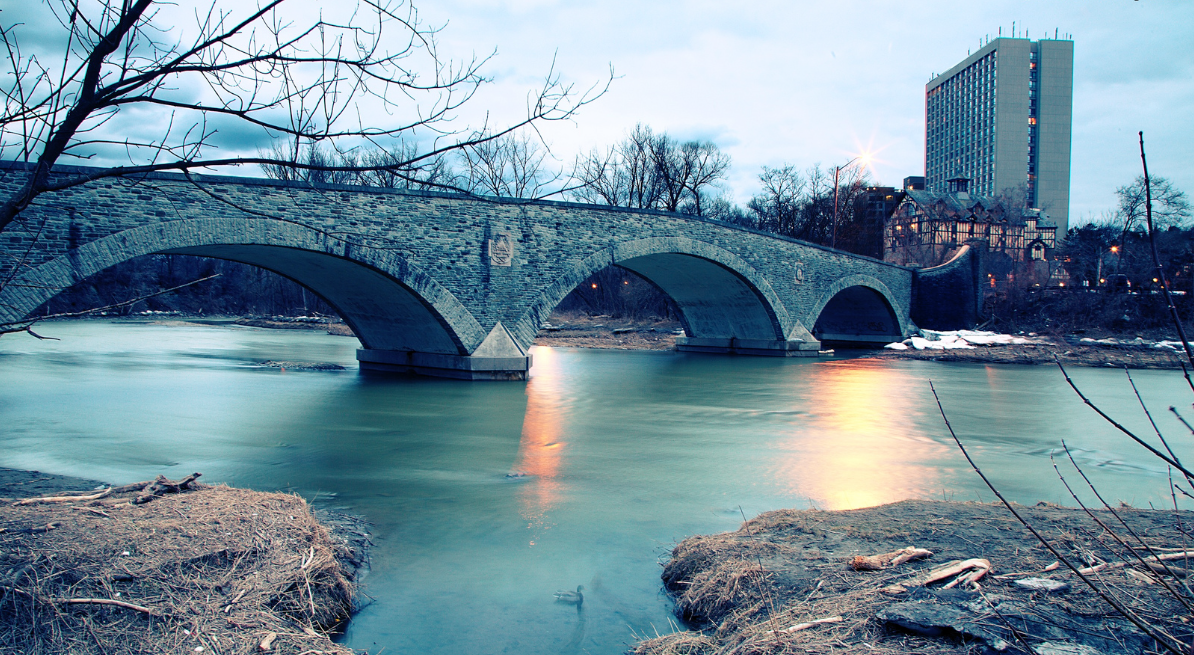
928,228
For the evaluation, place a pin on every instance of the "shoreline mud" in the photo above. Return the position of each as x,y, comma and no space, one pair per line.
166,566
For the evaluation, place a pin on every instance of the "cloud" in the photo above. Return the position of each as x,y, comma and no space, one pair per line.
775,82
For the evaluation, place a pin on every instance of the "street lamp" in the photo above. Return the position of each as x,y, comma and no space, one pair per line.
866,158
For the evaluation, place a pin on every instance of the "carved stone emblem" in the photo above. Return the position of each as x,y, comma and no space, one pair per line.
501,250
798,277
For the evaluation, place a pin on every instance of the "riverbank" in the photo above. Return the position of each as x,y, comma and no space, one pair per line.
170,566
1070,350
604,332
784,583
584,331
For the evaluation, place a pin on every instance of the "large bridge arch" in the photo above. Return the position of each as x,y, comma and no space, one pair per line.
724,302
389,303
857,308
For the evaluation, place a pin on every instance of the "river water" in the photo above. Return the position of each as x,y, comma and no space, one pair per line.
488,497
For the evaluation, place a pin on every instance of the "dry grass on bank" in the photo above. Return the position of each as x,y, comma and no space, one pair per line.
210,570
758,589
720,582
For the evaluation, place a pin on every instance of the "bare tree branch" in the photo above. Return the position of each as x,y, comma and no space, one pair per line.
9,327
362,72
1166,641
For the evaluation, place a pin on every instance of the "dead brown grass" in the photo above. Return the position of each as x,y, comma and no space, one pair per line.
730,584
212,570
742,592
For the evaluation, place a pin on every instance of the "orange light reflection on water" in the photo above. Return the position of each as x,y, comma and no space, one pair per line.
541,449
860,449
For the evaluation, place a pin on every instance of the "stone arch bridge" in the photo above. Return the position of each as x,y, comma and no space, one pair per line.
457,286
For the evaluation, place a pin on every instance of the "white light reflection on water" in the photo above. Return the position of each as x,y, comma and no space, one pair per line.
859,449
541,450
625,453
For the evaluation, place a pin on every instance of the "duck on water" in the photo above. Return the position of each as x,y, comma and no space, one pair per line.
574,597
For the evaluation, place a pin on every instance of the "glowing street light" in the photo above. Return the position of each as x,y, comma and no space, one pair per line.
865,158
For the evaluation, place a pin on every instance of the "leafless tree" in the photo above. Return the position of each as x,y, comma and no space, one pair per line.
800,204
777,206
1169,209
512,166
651,171
1169,204
364,72
433,173
364,167
705,165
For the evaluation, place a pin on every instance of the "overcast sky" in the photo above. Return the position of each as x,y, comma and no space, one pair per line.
807,82
803,82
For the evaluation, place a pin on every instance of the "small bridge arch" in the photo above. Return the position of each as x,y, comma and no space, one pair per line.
857,309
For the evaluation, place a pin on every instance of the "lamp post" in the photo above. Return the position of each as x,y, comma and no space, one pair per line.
836,172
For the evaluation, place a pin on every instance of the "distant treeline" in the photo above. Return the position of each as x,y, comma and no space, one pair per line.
240,289
244,290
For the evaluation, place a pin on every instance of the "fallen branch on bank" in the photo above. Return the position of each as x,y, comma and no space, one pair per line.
1107,566
64,499
34,530
86,496
809,624
106,601
968,572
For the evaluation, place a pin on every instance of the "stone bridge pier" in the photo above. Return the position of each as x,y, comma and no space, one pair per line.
457,286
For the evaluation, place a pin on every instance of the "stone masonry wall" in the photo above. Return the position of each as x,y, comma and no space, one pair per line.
548,246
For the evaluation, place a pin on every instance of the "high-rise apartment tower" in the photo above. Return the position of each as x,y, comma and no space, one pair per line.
1001,119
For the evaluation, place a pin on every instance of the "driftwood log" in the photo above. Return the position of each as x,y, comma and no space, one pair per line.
86,496
894,558
967,571
162,486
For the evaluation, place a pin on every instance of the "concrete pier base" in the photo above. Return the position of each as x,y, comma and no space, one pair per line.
757,347
445,366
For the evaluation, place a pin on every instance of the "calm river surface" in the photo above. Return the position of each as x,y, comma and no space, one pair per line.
623,454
